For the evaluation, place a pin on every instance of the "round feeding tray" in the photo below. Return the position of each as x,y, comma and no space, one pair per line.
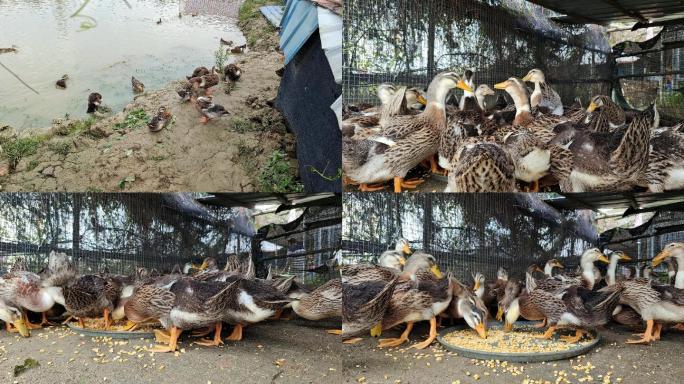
519,346
92,332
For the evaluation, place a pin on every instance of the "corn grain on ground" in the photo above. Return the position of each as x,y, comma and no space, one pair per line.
522,340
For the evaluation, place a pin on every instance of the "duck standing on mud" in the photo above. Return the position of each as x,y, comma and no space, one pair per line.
94,102
160,120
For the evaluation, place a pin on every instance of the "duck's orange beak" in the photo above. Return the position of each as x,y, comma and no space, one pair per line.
462,85
664,254
502,85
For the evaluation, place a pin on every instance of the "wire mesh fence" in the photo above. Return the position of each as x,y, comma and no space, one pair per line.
653,70
110,232
305,247
408,42
467,233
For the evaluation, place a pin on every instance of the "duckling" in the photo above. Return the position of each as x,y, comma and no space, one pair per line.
138,86
214,111
232,72
94,102
160,120
543,96
61,83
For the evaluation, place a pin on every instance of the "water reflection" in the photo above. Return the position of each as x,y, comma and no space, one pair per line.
126,42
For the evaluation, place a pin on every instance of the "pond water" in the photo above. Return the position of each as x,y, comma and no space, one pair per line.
100,49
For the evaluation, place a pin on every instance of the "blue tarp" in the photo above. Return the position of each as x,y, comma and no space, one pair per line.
299,21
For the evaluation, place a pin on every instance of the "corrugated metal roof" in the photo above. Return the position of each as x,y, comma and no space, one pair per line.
299,21
273,13
605,11
330,29
636,201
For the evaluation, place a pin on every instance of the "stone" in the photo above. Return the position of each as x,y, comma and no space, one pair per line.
4,168
48,171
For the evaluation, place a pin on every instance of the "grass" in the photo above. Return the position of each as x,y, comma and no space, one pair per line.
81,126
260,34
242,125
245,157
278,175
135,119
16,149
63,148
221,56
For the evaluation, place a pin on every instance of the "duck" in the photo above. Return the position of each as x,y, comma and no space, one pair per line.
232,72
205,81
656,303
422,296
160,120
24,290
550,265
198,72
403,143
612,161
137,85
323,302
13,317
238,48
543,95
528,140
204,102
90,296
665,161
468,79
609,116
214,111
185,92
368,290
393,102
481,166
466,305
94,102
517,303
61,83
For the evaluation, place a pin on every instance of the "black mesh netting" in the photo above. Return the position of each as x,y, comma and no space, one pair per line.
470,233
653,69
467,233
407,42
119,232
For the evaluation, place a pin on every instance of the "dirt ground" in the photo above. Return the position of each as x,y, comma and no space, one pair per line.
612,361
271,352
223,155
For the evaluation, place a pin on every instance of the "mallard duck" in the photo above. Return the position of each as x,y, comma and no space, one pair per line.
543,96
61,83
615,258
232,72
160,120
12,316
466,305
674,251
185,92
138,86
204,102
94,102
323,302
214,111
423,296
609,115
404,141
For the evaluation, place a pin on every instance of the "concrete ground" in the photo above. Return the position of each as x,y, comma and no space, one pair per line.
612,361
271,352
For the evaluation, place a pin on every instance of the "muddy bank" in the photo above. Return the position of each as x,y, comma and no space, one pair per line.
247,150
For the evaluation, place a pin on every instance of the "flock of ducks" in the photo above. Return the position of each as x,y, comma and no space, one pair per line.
498,148
196,298
404,291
